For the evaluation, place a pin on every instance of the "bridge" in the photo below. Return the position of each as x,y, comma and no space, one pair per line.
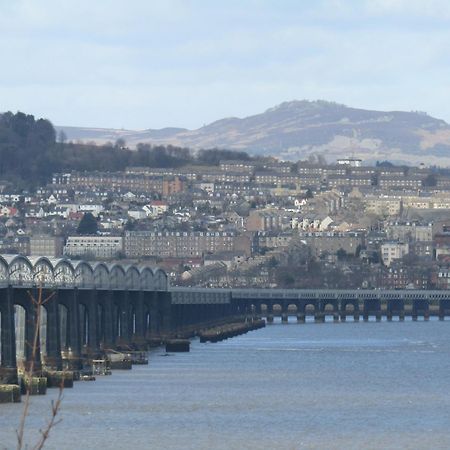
95,307
90,308
319,303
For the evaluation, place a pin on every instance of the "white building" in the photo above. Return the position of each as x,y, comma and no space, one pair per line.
352,162
391,251
102,247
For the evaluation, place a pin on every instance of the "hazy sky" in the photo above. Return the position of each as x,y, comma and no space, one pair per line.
149,64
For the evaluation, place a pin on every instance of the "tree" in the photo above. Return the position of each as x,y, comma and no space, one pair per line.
430,180
88,224
341,254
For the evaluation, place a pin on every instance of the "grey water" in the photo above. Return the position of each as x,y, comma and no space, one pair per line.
312,386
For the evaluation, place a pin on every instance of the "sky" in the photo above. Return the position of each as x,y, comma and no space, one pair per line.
140,64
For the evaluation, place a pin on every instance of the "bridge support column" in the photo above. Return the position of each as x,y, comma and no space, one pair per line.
32,330
139,332
8,368
109,328
69,299
164,306
319,317
94,338
300,317
356,312
284,317
124,319
269,313
53,359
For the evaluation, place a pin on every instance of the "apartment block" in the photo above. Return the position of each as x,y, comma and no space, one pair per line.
102,247
178,244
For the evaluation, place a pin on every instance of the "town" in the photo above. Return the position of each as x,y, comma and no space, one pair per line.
250,222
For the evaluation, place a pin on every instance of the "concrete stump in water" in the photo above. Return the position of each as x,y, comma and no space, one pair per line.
9,393
178,345
59,378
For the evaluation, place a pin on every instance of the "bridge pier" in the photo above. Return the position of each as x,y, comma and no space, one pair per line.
8,367
72,359
122,319
26,299
138,337
269,312
300,317
53,359
164,313
319,317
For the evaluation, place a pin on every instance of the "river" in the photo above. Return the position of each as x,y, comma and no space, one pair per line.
287,386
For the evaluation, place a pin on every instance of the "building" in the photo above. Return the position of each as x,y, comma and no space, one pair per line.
351,162
270,239
383,205
111,180
329,243
263,220
400,182
172,185
390,251
409,231
102,247
237,166
276,178
179,244
46,245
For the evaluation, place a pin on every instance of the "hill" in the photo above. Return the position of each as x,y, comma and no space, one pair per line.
294,130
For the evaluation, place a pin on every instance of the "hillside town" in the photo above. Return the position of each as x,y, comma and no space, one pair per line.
244,223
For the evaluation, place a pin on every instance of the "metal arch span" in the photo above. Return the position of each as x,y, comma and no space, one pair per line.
18,270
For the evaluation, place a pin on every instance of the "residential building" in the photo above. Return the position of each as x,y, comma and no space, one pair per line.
46,245
179,244
390,251
102,247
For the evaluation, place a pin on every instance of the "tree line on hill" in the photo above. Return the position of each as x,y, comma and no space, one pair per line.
30,153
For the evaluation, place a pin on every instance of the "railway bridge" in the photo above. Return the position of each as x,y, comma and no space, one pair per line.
342,303
90,308
86,309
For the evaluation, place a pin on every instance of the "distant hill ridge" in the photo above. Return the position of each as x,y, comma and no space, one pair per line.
294,130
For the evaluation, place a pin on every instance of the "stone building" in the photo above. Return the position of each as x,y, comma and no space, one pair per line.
179,244
46,245
102,247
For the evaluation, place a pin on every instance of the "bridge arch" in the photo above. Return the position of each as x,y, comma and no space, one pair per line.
308,307
133,278
101,275
147,279
20,270
83,274
42,271
4,270
117,276
63,272
161,282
